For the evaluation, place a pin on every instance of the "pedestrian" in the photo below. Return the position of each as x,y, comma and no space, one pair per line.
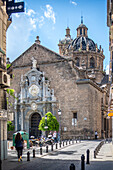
19,145
95,134
55,136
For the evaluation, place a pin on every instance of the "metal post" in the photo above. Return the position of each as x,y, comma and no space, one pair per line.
63,143
33,153
47,149
69,141
94,154
28,156
56,146
60,144
72,167
52,147
88,154
66,142
40,150
82,162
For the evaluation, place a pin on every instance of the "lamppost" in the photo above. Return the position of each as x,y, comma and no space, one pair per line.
59,113
46,127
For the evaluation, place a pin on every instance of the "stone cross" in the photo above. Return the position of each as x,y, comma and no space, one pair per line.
34,62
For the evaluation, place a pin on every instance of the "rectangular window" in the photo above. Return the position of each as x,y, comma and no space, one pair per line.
81,31
74,119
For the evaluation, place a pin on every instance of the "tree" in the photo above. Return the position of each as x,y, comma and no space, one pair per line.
10,126
52,123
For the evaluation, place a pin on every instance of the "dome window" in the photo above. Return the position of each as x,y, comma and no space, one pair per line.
92,62
77,62
81,31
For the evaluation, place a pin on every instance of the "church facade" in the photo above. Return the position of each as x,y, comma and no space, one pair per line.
73,81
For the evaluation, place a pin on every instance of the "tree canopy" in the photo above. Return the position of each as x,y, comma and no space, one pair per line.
52,123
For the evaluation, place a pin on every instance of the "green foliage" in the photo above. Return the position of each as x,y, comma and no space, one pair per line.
10,126
11,92
52,123
8,65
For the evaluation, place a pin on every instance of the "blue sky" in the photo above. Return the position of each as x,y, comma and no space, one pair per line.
49,18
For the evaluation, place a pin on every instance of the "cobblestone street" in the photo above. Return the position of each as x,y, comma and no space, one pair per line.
60,159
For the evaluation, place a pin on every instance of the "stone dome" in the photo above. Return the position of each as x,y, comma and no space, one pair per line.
83,42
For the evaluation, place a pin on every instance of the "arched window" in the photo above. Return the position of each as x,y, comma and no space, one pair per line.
80,31
77,62
92,62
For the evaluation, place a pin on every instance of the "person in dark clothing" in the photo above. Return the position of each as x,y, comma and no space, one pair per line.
19,146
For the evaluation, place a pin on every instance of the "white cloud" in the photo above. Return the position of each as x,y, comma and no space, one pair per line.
73,2
41,21
17,15
30,12
107,69
33,22
50,14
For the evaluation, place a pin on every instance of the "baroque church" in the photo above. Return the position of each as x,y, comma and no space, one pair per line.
73,81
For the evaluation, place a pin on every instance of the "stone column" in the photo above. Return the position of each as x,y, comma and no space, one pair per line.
22,125
3,135
44,88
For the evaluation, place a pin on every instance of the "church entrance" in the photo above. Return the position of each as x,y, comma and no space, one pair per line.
34,123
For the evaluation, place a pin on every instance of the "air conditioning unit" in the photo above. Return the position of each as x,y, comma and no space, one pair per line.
4,79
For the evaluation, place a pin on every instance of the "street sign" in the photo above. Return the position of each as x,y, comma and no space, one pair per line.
12,7
110,114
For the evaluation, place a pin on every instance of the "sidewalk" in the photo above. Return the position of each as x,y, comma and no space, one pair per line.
104,159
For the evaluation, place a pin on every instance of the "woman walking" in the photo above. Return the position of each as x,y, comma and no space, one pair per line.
19,146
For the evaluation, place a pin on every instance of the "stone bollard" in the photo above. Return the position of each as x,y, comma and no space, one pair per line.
28,156
56,146
40,150
72,167
33,153
82,162
51,147
47,149
88,155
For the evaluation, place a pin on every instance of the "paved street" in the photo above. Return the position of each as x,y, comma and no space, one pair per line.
59,159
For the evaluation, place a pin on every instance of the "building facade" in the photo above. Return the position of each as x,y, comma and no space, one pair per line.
73,81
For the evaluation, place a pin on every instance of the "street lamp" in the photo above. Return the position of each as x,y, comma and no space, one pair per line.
46,127
59,113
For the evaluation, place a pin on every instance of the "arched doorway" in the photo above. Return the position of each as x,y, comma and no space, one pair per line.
34,123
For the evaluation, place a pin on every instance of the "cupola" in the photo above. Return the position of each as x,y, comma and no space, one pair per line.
82,29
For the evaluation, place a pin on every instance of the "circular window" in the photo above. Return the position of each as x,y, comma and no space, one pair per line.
5,78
